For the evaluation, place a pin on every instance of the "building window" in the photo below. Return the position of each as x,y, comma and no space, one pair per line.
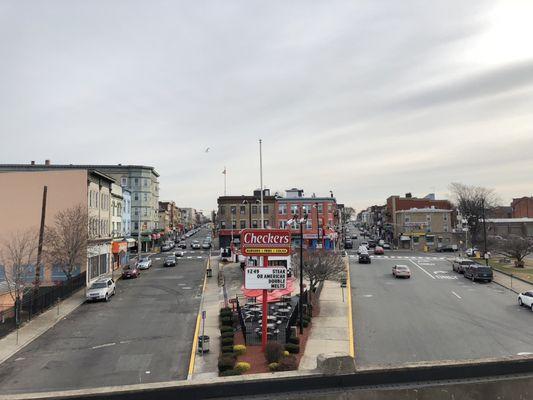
294,209
430,239
222,224
136,196
330,208
243,224
233,210
145,182
136,180
309,224
265,209
266,223
320,208
222,210
306,208
136,226
407,219
282,224
242,209
145,212
254,223
146,197
233,224
282,209
254,209
124,181
445,216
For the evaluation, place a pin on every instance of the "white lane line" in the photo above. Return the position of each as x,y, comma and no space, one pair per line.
456,295
427,273
199,257
158,258
189,257
104,345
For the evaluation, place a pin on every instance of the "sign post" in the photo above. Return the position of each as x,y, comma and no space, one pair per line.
262,243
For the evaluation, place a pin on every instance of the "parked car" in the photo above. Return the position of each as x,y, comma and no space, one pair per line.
459,264
401,271
102,289
131,271
471,252
379,250
478,272
348,244
170,261
364,258
526,299
144,263
195,245
446,247
386,246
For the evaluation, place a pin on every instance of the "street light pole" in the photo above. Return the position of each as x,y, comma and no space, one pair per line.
300,307
484,233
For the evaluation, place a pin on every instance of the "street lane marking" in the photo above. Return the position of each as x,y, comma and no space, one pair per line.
456,295
158,258
103,345
427,273
199,257
189,257
367,295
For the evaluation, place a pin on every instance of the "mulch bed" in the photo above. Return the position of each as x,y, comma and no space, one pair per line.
256,358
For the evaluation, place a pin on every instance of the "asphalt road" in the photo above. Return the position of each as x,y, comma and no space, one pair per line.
435,315
144,334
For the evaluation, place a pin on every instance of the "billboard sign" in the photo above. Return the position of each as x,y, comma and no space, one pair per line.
265,242
266,278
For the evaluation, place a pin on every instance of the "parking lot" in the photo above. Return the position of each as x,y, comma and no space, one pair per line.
143,334
435,315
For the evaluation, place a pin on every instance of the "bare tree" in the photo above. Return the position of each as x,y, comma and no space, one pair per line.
471,202
66,241
18,254
319,265
514,247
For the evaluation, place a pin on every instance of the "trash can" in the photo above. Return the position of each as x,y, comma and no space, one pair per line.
203,344
209,272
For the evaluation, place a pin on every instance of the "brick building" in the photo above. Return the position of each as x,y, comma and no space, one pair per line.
522,207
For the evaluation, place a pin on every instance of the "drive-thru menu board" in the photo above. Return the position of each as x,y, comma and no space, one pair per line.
265,278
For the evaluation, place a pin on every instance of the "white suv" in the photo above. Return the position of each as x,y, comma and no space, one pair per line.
102,289
526,299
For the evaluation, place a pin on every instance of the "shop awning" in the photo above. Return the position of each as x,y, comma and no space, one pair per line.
131,242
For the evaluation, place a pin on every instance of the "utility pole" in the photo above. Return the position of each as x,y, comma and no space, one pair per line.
484,233
40,245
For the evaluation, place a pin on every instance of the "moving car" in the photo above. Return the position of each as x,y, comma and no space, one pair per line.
364,258
526,299
206,245
102,289
401,271
348,244
471,252
170,261
131,271
195,245
182,245
478,272
354,236
371,244
386,246
144,263
179,253
459,264
379,250
165,247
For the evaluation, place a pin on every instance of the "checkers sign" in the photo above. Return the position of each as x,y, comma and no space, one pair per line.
266,242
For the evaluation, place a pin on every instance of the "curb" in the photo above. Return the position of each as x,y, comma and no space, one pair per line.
350,310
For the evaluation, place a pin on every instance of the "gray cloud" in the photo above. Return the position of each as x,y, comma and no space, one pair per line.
364,98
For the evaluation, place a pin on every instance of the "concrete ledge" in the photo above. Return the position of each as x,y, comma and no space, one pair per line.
337,363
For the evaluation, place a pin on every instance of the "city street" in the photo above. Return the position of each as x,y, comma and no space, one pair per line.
435,315
143,334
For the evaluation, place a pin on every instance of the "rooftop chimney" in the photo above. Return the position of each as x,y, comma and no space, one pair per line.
32,162
46,162
408,195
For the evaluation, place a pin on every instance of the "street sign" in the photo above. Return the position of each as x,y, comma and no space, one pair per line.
264,242
266,278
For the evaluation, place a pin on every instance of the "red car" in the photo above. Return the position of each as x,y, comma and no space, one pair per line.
379,250
131,271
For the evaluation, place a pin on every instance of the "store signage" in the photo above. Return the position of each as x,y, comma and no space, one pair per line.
264,242
266,278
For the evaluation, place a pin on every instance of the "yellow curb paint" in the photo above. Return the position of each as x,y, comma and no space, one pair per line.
350,318
197,329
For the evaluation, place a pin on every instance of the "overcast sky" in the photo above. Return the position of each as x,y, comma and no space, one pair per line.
365,98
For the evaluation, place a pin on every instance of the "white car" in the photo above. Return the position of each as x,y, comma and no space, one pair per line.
179,253
102,289
471,252
526,299
144,263
401,271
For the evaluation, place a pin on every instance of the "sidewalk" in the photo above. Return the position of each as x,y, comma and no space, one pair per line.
514,284
30,331
329,330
